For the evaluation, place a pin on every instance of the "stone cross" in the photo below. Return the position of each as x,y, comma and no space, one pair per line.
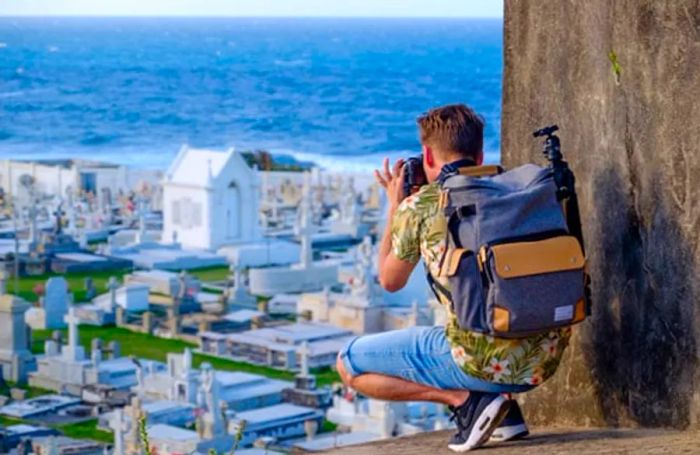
73,351
304,352
72,320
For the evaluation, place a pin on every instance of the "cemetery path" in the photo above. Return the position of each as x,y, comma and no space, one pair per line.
546,441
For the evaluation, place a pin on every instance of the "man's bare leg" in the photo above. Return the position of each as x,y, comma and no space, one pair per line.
391,388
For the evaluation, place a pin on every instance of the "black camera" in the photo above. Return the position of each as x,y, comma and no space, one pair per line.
414,175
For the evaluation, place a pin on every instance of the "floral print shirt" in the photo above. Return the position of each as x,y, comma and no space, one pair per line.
418,230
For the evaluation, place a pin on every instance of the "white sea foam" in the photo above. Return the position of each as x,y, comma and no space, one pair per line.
358,163
11,94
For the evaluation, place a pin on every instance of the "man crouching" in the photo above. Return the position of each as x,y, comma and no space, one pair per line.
470,372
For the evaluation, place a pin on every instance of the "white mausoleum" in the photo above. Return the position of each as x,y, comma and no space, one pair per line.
210,199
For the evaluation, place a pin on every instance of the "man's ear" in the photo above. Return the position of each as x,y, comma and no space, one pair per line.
429,156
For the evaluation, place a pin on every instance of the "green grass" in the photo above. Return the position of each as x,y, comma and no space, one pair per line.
132,343
232,365
328,426
210,274
156,348
7,421
86,430
76,283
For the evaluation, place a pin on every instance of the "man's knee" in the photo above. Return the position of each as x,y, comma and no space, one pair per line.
342,372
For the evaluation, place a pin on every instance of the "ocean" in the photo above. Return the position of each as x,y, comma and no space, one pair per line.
340,92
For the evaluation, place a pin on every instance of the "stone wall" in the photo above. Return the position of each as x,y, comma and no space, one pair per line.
630,128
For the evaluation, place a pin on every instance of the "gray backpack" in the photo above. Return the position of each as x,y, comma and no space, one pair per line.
513,267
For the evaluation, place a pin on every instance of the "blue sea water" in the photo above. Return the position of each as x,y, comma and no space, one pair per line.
342,92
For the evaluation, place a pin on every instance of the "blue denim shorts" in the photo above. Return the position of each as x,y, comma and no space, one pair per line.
417,354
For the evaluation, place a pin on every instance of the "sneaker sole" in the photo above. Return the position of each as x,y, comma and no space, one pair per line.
488,421
511,433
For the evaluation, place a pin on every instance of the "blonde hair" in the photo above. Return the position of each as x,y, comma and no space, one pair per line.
455,130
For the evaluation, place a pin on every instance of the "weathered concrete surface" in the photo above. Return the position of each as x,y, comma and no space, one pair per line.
634,144
580,442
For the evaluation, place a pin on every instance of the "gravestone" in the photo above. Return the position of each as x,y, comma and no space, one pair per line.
90,289
115,349
15,358
56,301
73,351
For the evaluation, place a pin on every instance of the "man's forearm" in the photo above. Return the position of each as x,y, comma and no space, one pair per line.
385,245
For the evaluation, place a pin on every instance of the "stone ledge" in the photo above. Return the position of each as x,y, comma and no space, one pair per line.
546,441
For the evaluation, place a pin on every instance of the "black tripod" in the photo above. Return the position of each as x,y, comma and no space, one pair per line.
566,189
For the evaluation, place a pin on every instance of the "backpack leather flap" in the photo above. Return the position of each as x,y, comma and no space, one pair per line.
557,254
480,171
451,263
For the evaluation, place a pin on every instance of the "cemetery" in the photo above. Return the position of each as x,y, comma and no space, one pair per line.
209,300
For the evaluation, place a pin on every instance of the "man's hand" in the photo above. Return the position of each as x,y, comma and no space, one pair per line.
393,272
392,181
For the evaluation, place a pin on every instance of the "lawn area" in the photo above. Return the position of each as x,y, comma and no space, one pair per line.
7,421
209,274
151,347
132,343
86,430
76,283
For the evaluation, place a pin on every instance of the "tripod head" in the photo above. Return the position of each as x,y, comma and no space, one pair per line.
552,145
